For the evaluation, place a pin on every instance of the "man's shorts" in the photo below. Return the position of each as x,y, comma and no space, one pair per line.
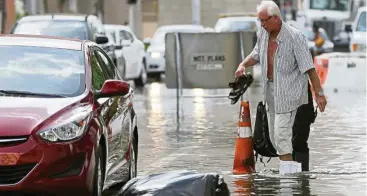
280,124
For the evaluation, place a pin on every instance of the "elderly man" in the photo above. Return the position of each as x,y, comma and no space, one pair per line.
286,65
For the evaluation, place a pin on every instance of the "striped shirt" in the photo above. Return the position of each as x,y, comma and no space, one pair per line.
292,60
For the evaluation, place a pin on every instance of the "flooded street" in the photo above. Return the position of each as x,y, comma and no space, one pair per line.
205,136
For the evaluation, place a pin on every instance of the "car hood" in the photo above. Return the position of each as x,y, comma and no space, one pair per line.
20,115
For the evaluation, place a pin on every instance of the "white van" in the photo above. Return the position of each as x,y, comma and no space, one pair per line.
358,39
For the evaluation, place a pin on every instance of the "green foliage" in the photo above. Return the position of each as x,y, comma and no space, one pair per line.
97,74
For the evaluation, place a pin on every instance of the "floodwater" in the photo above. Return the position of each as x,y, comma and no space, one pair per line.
202,135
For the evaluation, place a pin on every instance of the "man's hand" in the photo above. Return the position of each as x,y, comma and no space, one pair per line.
321,102
248,62
239,71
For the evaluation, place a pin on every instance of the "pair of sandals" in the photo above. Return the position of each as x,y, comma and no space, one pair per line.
239,86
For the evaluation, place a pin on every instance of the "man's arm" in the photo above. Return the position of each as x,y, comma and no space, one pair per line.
252,59
305,64
315,81
248,62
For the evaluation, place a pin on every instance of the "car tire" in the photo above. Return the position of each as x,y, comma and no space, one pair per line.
98,179
155,76
133,161
142,80
122,69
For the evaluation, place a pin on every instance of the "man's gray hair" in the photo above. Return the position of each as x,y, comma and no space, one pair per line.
270,6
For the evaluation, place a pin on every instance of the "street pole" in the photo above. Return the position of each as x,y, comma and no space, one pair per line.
138,19
282,9
2,15
73,7
196,12
131,17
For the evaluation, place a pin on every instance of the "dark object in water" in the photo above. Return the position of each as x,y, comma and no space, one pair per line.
177,183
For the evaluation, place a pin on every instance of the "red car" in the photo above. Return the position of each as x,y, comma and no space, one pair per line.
67,122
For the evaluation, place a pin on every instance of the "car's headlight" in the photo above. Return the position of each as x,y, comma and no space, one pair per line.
63,133
155,55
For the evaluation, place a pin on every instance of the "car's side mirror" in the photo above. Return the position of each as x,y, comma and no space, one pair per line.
348,28
125,42
112,88
101,39
147,40
118,47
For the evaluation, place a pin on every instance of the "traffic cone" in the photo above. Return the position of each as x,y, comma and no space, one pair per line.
244,162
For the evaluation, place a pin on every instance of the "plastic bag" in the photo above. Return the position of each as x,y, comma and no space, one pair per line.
176,183
262,144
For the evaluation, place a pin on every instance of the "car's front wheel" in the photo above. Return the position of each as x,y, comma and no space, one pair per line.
142,80
98,180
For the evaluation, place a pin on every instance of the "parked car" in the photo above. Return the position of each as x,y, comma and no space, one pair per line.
67,121
84,27
237,22
156,49
133,51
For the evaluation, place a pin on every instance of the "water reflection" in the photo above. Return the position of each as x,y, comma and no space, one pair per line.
155,117
272,185
199,112
205,138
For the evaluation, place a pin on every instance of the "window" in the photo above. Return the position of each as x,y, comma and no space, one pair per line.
69,29
42,70
361,25
123,36
130,37
107,65
98,76
336,5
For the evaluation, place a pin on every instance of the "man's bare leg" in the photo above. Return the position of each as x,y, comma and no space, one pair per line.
286,157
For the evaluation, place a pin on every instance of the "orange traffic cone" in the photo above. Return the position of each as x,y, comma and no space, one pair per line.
244,162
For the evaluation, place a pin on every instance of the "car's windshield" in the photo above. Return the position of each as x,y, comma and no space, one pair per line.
235,26
361,25
159,35
42,70
311,35
335,5
68,29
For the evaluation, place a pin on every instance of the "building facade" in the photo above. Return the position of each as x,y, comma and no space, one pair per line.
148,14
